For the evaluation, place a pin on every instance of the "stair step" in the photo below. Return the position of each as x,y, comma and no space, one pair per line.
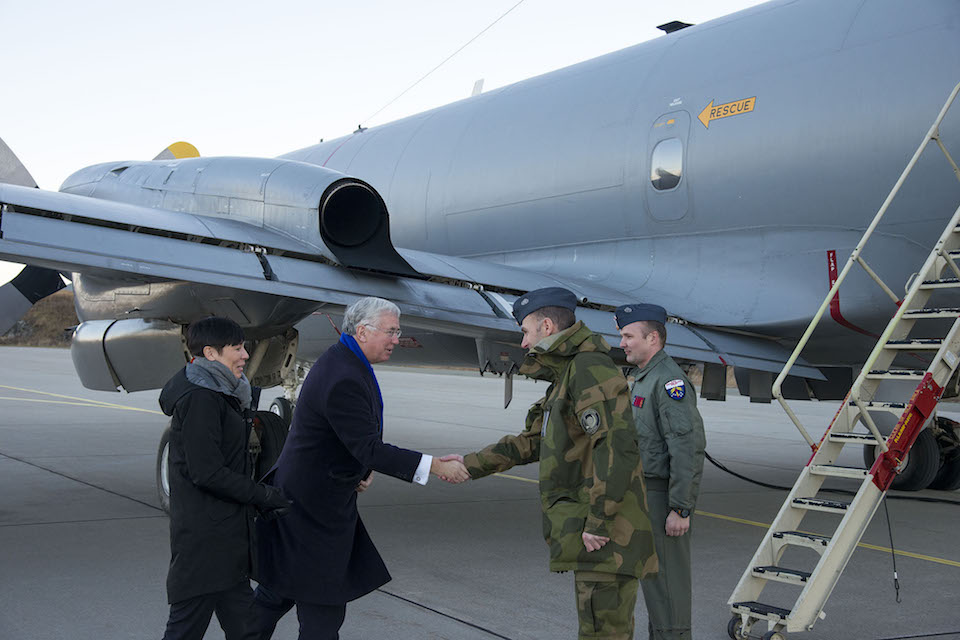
837,471
852,438
943,283
943,312
801,539
760,610
781,574
914,345
879,406
819,504
897,374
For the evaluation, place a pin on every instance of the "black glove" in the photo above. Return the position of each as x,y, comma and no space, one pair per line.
272,504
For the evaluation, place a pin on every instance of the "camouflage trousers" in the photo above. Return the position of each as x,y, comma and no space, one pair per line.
605,603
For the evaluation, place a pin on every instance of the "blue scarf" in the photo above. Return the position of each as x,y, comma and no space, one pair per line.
351,344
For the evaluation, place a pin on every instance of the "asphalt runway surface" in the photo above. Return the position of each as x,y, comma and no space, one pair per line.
84,545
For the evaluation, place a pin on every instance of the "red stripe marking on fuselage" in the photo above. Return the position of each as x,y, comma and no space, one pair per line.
835,302
334,151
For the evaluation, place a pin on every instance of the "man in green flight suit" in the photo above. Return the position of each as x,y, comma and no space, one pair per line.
671,438
591,481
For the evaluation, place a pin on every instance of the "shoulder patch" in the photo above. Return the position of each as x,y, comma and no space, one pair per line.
676,389
590,421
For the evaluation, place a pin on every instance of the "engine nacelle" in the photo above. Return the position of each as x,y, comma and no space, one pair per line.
338,216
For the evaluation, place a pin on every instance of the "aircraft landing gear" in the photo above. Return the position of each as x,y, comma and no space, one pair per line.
283,408
920,466
284,405
948,440
163,473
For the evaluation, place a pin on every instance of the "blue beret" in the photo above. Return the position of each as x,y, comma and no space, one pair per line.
638,312
540,298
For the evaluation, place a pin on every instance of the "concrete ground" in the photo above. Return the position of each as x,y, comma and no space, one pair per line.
84,547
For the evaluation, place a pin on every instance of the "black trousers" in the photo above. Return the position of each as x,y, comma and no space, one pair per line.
317,621
190,618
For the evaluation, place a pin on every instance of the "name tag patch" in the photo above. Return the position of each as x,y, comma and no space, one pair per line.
638,402
675,389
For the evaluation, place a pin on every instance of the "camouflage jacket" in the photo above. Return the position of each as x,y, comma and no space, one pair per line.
582,434
669,428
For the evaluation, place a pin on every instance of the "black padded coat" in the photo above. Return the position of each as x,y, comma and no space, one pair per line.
211,490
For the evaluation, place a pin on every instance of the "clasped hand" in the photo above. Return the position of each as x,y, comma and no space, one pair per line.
450,468
592,542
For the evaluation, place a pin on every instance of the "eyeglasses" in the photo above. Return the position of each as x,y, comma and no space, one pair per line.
393,333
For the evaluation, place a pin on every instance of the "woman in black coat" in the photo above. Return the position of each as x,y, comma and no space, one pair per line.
320,556
212,494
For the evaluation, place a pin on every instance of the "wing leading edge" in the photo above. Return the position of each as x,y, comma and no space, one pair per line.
455,296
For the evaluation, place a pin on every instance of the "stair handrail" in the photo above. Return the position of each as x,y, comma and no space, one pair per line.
933,135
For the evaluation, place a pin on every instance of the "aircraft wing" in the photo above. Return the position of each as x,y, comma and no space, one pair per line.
457,296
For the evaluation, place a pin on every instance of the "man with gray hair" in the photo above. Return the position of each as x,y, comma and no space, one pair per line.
320,556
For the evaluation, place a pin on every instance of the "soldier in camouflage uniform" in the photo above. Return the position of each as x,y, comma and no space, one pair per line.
671,438
591,480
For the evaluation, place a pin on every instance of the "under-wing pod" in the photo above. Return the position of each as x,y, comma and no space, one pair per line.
109,354
341,217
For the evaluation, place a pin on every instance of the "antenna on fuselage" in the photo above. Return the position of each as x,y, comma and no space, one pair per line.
676,25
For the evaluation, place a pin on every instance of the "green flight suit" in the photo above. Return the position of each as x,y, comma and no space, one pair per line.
672,441
591,479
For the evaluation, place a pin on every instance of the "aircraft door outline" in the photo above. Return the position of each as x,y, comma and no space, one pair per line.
666,191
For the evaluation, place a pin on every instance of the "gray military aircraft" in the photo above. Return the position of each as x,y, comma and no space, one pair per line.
718,170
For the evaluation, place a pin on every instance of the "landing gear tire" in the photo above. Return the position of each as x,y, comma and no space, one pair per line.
773,635
920,467
734,628
283,408
273,433
163,473
948,441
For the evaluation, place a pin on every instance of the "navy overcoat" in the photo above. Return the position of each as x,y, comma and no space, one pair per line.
320,552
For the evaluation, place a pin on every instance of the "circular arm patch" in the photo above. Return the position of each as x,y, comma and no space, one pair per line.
590,421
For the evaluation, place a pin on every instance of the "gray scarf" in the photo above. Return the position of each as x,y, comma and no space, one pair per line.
214,375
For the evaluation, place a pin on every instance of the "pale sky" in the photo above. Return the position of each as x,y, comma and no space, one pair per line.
101,80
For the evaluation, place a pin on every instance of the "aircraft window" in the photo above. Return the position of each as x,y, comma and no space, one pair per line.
666,164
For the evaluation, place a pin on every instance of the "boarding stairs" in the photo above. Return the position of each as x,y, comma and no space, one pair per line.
919,329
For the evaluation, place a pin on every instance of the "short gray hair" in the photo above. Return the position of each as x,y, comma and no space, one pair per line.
366,311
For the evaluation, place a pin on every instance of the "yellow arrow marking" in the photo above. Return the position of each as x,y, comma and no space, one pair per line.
735,108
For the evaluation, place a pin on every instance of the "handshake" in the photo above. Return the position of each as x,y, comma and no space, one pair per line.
450,468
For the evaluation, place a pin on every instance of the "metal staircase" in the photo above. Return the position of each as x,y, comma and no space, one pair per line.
855,423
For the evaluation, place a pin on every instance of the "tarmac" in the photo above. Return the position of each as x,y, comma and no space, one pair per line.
84,546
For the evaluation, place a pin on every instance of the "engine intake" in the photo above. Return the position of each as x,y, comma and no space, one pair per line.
355,226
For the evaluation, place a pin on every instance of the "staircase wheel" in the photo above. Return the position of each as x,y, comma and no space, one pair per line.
923,462
734,627
773,635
